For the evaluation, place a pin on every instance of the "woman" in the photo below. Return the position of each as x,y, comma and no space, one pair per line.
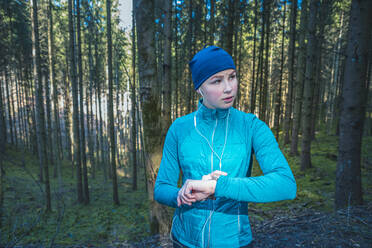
213,148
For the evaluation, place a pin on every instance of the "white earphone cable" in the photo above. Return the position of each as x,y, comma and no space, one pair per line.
220,165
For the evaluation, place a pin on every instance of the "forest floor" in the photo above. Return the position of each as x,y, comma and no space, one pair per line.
350,227
307,221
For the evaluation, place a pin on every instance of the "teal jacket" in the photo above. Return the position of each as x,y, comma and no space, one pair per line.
222,222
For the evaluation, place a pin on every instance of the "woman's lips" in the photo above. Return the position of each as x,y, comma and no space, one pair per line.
228,99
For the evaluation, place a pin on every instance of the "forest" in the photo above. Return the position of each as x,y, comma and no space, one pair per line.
85,106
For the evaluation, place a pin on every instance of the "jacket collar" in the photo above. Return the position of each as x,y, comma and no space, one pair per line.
210,114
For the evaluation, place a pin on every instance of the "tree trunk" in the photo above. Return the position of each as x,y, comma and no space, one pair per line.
2,152
159,218
167,85
176,64
348,173
335,76
263,99
229,28
30,115
81,102
3,128
98,138
236,35
19,111
212,23
254,83
49,122
134,103
309,87
324,14
261,58
41,134
291,58
299,84
90,101
278,101
75,100
24,113
111,106
68,118
57,128
10,118
190,34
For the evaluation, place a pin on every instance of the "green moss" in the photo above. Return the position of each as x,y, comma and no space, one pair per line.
101,223
316,186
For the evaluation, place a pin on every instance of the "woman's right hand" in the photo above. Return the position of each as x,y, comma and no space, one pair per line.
195,190
198,190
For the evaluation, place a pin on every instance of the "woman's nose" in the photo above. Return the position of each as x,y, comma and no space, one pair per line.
228,87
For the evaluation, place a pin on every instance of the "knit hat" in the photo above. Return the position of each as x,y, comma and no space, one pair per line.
207,62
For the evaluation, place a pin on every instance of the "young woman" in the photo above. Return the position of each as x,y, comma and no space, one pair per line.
213,147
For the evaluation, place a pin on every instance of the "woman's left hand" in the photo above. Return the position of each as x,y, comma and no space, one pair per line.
214,175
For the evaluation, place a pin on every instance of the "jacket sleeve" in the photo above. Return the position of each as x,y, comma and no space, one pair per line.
166,190
277,182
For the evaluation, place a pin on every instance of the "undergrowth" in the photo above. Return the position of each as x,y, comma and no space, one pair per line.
101,223
316,186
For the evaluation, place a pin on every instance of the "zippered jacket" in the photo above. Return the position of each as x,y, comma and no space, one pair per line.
223,221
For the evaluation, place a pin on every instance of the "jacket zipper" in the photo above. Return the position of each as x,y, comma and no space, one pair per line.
210,221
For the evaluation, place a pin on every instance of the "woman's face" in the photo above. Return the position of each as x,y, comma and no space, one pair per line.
219,91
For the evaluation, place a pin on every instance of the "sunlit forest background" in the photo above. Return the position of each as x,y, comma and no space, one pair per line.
85,106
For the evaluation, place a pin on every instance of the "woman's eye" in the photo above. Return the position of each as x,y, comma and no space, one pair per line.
232,76
216,81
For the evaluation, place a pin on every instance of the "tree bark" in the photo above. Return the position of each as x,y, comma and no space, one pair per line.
75,100
2,152
331,99
3,127
81,103
151,110
254,83
111,106
278,101
167,85
49,122
265,70
261,59
90,120
189,43
134,104
291,59
229,27
324,14
212,23
19,111
348,173
41,134
298,83
309,87
10,118
176,64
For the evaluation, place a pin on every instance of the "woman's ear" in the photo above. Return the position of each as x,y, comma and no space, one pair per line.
200,92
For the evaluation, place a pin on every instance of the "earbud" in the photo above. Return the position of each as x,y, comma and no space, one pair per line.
200,92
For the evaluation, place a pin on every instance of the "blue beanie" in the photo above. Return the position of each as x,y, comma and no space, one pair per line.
207,62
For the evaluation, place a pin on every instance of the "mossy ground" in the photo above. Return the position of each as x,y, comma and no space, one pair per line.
101,223
316,186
